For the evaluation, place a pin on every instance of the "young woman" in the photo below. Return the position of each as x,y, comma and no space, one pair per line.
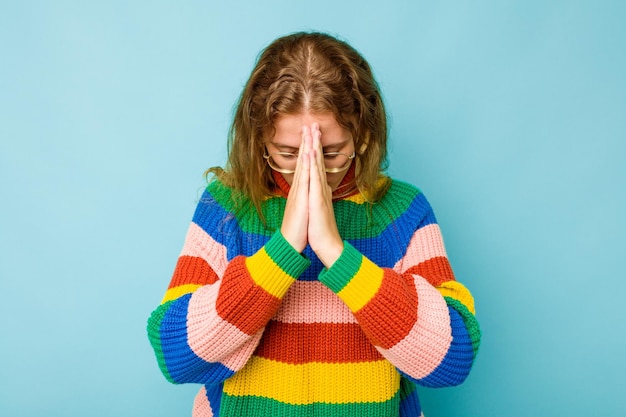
310,284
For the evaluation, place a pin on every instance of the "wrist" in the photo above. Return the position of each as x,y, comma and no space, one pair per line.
330,252
342,271
296,243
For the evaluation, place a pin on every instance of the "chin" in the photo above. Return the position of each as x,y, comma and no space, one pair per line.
333,186
334,182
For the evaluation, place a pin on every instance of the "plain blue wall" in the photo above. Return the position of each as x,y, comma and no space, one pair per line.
510,115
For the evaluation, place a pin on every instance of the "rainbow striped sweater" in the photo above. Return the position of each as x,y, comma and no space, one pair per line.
268,331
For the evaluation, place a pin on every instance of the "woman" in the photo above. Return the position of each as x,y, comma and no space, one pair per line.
310,284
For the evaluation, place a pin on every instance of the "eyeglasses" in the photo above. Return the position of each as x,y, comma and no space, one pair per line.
285,162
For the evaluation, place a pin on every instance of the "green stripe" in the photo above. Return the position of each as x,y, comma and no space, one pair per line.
357,223
406,388
154,334
233,406
353,221
247,217
470,321
285,256
343,270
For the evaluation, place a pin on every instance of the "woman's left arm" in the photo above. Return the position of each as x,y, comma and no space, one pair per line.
416,314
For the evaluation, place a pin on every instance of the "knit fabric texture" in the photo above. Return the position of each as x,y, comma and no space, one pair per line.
268,331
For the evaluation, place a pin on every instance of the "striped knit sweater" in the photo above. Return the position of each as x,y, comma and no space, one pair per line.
270,332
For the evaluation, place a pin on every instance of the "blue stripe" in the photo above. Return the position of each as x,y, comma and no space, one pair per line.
410,404
224,228
214,395
397,235
396,238
457,363
183,365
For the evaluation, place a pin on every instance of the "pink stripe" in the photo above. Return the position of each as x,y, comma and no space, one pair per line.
303,304
425,244
201,405
200,243
214,339
423,349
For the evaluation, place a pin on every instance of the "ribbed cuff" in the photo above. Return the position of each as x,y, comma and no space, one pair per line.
344,268
285,256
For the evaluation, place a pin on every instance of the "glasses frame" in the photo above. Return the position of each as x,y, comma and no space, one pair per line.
268,158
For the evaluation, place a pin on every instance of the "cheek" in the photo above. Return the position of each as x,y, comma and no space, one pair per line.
335,179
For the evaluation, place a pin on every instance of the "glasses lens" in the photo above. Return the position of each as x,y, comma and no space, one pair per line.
337,162
283,162
286,162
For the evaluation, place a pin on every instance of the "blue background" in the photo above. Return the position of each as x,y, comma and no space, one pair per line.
510,115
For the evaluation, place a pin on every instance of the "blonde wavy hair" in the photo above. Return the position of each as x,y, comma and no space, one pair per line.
306,72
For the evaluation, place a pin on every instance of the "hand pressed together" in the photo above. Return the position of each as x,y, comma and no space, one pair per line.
309,216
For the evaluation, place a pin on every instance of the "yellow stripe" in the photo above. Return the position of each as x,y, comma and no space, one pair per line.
337,383
363,285
174,293
361,198
267,275
458,291
357,198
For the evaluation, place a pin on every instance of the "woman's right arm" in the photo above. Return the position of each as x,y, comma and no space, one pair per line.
219,301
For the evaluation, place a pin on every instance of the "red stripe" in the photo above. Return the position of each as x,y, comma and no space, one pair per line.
192,270
390,315
298,343
436,270
243,303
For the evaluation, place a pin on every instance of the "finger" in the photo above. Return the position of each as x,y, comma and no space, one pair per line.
319,151
315,181
304,179
299,164
306,139
295,219
313,174
316,136
305,149
305,172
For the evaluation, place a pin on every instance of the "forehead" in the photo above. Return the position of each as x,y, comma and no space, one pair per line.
289,129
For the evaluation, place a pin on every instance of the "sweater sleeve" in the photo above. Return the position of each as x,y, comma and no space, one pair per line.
416,314
213,314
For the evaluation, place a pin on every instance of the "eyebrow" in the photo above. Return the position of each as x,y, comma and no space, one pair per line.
284,147
335,146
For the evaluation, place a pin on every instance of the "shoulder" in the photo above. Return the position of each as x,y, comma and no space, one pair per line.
232,206
402,193
217,200
406,200
401,189
218,189
217,192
